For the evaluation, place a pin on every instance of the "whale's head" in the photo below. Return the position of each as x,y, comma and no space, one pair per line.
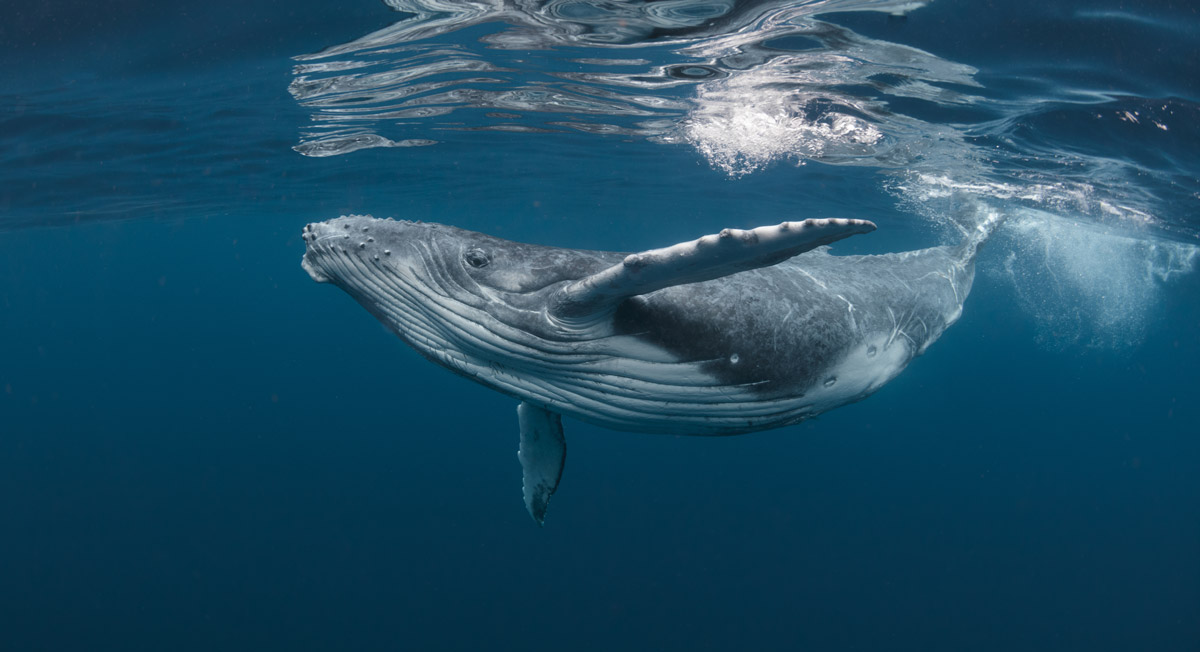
459,297
369,257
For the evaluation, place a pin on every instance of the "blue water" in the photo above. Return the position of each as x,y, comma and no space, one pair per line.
201,449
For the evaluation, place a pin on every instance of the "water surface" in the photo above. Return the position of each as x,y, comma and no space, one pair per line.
200,448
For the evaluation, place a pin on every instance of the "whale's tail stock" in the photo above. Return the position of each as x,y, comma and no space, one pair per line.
977,221
980,222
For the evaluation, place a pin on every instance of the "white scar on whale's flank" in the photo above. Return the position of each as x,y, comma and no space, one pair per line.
729,333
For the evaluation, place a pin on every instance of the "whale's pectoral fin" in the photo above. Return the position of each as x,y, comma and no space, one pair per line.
543,453
710,257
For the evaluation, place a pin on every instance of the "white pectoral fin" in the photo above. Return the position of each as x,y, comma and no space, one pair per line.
704,259
543,453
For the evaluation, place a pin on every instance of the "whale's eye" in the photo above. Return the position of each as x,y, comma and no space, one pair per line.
477,257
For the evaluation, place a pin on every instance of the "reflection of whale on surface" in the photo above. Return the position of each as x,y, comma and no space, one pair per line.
722,335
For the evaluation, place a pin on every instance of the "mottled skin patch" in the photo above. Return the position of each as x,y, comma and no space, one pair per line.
789,323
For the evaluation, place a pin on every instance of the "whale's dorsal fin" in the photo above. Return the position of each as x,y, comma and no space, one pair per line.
543,452
704,259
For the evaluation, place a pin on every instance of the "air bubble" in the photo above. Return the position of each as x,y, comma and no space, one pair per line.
733,359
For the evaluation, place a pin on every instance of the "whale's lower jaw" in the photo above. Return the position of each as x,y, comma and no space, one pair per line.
644,392
615,382
679,398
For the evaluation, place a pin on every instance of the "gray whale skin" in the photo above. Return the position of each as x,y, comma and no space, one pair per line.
730,333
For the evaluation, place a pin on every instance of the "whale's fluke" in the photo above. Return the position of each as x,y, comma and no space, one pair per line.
703,259
543,453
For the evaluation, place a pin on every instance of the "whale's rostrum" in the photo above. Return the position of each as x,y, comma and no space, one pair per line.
734,332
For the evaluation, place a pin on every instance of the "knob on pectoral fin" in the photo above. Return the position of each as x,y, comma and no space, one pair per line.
543,452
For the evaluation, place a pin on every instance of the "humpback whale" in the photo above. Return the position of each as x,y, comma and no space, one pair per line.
730,333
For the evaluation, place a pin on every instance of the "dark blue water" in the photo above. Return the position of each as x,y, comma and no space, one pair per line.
200,448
